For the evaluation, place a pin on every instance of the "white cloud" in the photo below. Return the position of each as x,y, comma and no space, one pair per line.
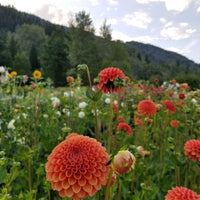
168,24
183,24
111,21
94,2
145,39
137,19
177,5
113,2
198,9
116,35
179,51
162,19
177,32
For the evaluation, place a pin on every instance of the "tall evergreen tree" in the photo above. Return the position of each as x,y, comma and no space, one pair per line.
55,58
33,57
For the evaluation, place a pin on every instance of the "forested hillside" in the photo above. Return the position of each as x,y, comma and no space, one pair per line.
28,42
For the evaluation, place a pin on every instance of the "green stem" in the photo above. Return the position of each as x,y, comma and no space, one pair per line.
132,183
29,176
110,125
187,172
119,189
108,184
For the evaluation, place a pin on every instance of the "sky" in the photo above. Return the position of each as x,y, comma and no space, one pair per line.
173,25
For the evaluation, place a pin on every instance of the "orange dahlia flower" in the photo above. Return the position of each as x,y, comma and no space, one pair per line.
126,127
174,123
181,193
147,108
107,79
170,106
192,149
77,167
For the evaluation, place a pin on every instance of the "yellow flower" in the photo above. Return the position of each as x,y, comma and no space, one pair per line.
13,73
37,74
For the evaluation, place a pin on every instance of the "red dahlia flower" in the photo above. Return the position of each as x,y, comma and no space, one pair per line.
120,119
170,106
115,107
181,96
147,108
107,79
174,123
126,127
192,149
181,193
77,167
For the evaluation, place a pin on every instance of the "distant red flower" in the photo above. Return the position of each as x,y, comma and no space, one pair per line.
170,106
33,86
120,119
126,127
77,167
181,193
192,149
107,78
170,94
115,107
137,120
174,123
156,80
70,79
173,81
181,96
147,108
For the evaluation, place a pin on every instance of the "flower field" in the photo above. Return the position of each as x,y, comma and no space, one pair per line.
115,139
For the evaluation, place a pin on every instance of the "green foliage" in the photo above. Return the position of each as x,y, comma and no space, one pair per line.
21,64
55,58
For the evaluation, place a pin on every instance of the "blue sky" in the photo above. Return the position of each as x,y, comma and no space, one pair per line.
170,24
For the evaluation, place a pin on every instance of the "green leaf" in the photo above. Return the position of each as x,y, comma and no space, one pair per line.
89,93
97,96
3,174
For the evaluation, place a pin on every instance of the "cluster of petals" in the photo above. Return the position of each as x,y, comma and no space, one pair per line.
107,78
123,162
192,149
181,96
77,167
181,193
174,123
170,106
115,107
121,119
147,108
124,126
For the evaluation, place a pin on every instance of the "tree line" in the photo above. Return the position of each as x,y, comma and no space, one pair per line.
58,53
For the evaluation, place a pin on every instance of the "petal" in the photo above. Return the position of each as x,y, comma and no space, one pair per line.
82,181
65,184
71,180
76,188
87,187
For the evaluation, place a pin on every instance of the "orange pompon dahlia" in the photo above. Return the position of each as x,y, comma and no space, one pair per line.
192,149
147,108
181,193
77,167
174,123
170,106
126,127
107,79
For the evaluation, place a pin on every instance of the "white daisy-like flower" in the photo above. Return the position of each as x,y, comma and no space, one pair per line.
11,124
82,105
81,114
107,100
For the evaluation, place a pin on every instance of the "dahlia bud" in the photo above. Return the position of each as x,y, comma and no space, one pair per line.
142,152
159,107
122,162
